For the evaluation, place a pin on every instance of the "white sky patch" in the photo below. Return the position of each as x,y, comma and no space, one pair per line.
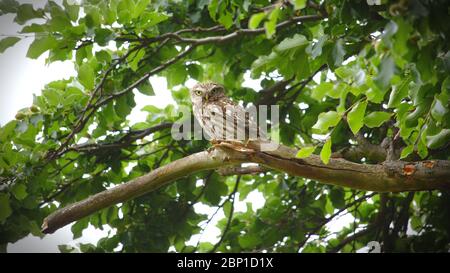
161,99
303,106
340,222
251,83
331,76
319,137
316,78
348,60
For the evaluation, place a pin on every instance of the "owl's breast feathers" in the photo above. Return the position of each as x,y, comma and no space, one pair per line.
224,119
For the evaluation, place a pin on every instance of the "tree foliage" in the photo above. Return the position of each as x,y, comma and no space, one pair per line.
372,79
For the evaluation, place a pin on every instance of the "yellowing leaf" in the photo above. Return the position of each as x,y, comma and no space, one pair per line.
256,19
325,154
305,151
271,24
299,4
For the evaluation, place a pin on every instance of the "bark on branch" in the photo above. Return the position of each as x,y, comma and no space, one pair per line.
391,176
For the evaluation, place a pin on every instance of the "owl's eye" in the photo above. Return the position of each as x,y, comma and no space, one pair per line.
198,92
215,90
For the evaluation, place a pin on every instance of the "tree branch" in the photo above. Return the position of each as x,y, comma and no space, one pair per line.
393,176
230,216
123,142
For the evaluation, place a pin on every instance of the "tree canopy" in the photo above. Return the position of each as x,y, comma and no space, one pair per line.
363,90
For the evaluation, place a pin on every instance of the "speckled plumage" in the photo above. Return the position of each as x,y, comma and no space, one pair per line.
219,116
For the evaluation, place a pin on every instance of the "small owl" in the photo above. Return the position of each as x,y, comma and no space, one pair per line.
220,117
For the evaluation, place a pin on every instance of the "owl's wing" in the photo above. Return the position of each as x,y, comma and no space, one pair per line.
227,120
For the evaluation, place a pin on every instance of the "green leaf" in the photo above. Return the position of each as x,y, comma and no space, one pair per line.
7,130
33,28
390,29
226,20
422,149
299,4
195,71
8,42
406,151
86,76
398,93
303,70
355,117
176,75
213,8
344,72
125,9
19,191
26,12
71,9
325,154
439,108
93,16
271,24
256,19
296,41
123,106
338,53
321,90
337,197
249,240
103,36
59,23
5,208
327,120
153,18
439,139
375,119
134,59
305,151
140,7
215,189
78,227
8,6
146,88
385,73
40,45
103,56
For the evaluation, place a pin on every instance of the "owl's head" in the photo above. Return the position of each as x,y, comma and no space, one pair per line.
206,92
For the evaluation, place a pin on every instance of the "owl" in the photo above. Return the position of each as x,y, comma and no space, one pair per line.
220,117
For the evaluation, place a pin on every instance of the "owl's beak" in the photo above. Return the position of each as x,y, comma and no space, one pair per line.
206,97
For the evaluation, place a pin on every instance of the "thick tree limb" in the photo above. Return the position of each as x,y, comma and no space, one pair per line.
391,176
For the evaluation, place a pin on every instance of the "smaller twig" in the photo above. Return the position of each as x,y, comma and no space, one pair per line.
230,217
